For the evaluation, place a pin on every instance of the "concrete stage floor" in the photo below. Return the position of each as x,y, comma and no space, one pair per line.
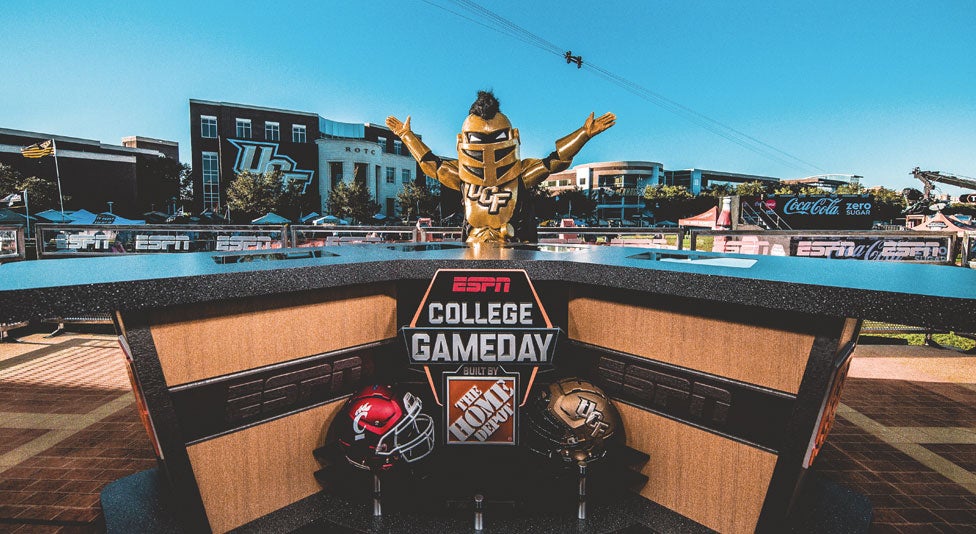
905,435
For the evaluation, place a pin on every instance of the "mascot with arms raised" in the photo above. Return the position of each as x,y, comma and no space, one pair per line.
489,173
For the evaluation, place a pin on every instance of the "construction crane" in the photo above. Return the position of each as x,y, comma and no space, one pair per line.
917,201
930,178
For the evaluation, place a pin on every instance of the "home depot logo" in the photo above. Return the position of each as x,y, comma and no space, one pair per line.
481,410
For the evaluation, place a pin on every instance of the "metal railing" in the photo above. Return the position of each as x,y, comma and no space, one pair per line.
59,240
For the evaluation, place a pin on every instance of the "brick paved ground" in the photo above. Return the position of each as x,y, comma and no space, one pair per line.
68,426
905,435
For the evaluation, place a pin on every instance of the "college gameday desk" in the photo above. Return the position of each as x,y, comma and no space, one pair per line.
725,369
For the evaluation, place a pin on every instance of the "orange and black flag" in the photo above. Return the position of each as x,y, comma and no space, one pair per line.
38,150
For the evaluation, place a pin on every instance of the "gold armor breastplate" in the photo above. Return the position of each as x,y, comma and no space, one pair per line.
489,209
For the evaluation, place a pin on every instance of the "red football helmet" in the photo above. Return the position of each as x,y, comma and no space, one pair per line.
376,428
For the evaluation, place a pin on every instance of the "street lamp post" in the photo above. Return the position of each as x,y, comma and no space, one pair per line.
26,214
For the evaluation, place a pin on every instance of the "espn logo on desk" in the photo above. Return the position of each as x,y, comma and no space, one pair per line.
481,284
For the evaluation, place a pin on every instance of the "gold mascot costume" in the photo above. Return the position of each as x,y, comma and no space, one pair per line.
489,173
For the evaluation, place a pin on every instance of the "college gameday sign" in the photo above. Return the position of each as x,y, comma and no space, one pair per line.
480,337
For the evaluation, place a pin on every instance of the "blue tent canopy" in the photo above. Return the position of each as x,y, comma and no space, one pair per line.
270,218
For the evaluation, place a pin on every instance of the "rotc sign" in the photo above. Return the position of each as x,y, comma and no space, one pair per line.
481,336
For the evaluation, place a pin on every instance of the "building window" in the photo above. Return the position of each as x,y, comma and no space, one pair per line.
382,142
211,180
405,176
208,126
335,170
271,131
397,147
297,133
390,175
243,128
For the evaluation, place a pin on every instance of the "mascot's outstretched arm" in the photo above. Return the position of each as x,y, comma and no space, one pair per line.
536,170
446,172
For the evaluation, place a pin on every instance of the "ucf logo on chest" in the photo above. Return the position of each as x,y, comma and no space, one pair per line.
493,199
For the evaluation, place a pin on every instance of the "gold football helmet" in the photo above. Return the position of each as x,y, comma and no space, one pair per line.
572,419
487,146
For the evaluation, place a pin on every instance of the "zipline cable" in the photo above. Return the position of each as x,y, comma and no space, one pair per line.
496,22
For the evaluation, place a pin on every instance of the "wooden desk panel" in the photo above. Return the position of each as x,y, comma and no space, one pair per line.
716,481
762,355
219,338
247,474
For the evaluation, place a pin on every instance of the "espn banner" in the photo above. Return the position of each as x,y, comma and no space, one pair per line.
920,248
916,247
101,240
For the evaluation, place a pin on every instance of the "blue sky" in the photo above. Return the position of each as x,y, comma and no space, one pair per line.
868,88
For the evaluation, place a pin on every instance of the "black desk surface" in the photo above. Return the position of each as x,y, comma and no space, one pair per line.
926,295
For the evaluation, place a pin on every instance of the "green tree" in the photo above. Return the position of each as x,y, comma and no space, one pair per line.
850,189
543,202
250,195
798,189
719,190
414,201
352,201
42,194
672,202
161,180
889,203
751,189
574,203
663,192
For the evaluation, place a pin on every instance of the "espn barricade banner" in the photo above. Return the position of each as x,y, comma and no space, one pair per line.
910,246
99,240
920,248
11,243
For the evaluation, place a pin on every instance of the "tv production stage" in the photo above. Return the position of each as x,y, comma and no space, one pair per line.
443,387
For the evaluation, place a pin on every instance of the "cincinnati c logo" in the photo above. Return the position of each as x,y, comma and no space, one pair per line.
492,198
360,414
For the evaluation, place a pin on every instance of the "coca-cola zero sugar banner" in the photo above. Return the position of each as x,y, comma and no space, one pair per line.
480,337
829,212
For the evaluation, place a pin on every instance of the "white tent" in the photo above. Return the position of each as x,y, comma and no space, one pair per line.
330,220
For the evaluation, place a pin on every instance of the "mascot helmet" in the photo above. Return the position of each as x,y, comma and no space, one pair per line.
488,145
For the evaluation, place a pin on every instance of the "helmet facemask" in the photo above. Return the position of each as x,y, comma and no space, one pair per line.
412,437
